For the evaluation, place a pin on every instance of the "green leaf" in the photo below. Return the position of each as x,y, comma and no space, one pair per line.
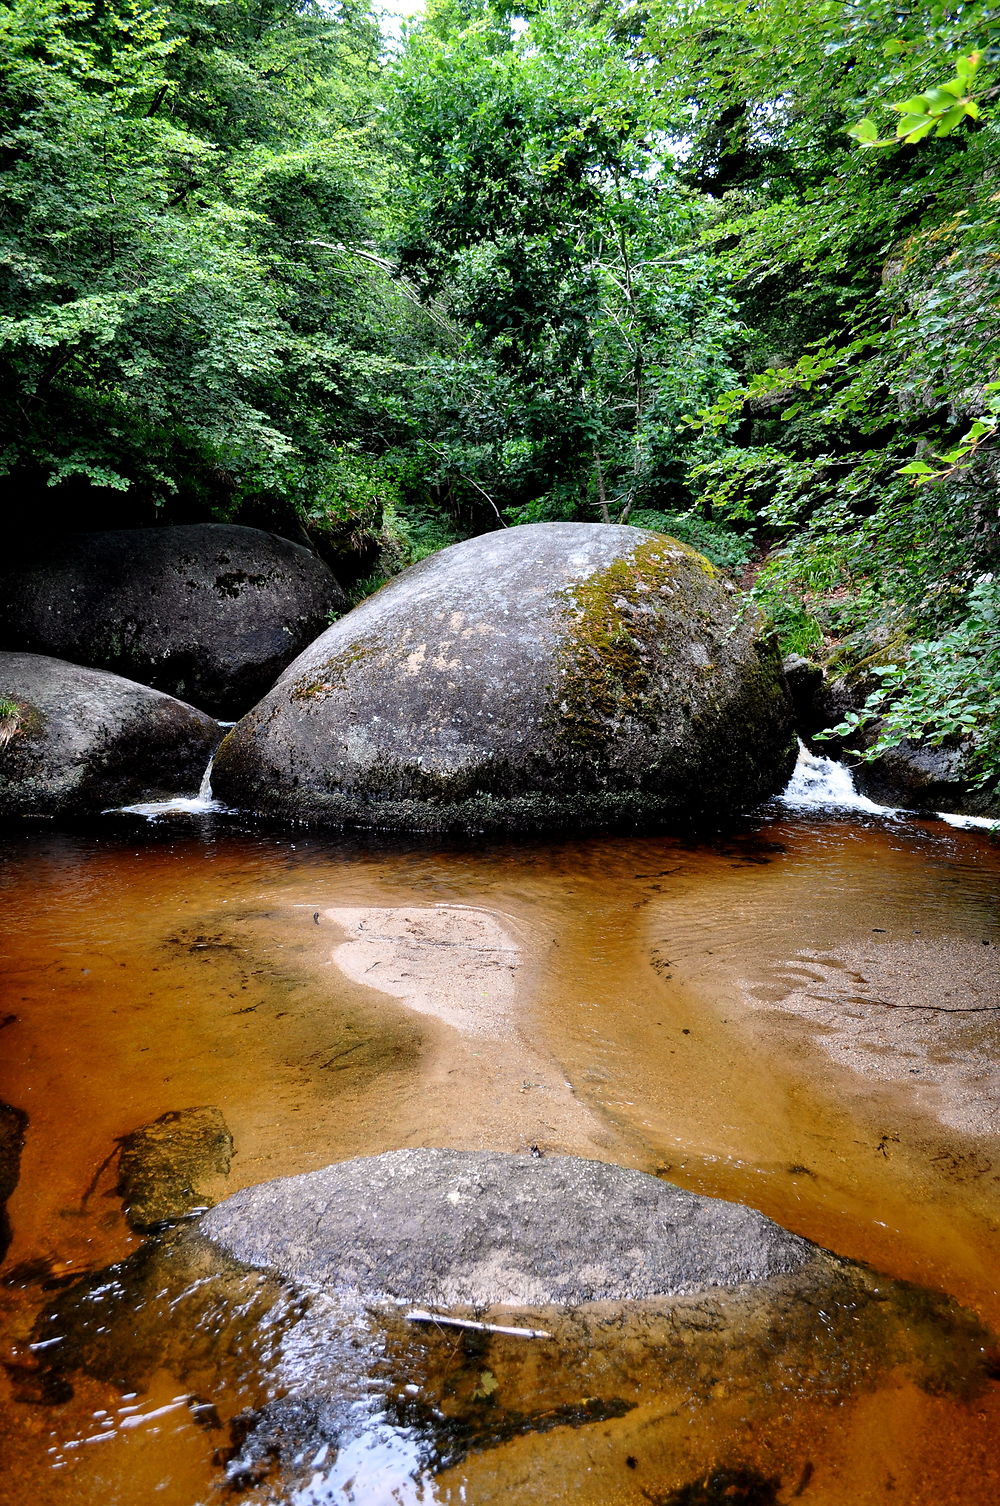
965,67
950,120
945,93
865,131
914,128
916,468
918,105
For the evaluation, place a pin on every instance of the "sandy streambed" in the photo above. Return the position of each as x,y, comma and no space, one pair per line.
463,968
757,1018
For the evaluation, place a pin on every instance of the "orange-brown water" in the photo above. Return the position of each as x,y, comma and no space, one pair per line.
802,1018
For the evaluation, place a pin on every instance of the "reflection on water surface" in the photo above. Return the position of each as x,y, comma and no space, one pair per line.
801,1017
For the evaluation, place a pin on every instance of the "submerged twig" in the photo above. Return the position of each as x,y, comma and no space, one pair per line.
418,1315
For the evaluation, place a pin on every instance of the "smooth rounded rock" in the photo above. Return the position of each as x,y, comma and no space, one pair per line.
608,1310
209,612
74,741
553,675
483,1228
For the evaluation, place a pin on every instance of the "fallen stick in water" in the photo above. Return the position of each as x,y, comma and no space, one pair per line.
419,1316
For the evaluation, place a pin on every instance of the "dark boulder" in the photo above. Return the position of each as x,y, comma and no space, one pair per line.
208,612
164,1166
559,674
74,741
925,777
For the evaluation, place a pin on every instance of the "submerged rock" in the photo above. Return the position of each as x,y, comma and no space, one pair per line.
670,1320
161,1165
74,741
548,675
13,1123
209,612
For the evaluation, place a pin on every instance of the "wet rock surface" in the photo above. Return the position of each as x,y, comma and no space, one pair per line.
310,1385
163,1167
485,1228
208,612
74,741
13,1123
535,677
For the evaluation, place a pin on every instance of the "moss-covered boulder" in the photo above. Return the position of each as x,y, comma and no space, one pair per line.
209,612
560,674
74,741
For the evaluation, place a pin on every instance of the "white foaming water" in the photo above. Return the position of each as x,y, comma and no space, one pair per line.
988,823
822,783
181,805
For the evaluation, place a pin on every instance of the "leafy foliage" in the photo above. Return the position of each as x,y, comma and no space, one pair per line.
725,268
539,207
861,438
171,324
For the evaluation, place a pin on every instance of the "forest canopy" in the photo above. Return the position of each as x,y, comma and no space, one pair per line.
729,270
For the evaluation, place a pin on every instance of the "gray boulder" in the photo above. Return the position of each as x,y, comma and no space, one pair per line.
209,612
75,741
482,1228
300,1302
559,674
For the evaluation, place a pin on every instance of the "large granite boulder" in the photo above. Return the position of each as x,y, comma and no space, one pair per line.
74,741
209,612
552,675
487,1228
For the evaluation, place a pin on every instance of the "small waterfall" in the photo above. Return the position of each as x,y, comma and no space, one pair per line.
205,788
822,783
180,805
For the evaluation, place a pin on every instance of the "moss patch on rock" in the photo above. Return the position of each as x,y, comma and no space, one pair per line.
615,632
332,676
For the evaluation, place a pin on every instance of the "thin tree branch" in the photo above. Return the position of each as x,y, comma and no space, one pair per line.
391,270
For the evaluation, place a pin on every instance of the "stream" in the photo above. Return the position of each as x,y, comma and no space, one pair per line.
801,1016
